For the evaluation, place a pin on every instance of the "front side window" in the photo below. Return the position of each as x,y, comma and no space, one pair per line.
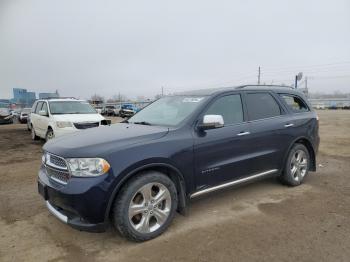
71,107
168,111
229,107
262,105
295,103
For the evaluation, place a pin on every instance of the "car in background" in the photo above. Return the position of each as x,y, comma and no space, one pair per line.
23,116
128,110
111,110
51,118
5,116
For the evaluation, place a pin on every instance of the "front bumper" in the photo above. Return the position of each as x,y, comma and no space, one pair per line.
81,203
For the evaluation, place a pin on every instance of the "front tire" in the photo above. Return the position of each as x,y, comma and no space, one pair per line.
297,166
145,206
49,134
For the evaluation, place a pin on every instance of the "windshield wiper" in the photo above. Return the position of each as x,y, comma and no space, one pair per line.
142,123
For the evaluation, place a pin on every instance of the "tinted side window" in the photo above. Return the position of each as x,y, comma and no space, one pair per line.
38,107
230,107
262,105
295,103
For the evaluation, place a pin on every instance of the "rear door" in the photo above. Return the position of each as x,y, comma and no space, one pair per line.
43,121
269,126
35,117
222,154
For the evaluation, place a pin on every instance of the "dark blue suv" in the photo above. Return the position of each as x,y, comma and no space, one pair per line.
138,173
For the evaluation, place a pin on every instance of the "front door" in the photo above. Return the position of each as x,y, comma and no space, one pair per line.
222,154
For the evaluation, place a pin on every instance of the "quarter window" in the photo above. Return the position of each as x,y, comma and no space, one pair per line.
230,107
262,105
295,103
44,108
38,107
34,107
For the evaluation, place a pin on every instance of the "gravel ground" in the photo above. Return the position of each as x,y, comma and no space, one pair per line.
264,221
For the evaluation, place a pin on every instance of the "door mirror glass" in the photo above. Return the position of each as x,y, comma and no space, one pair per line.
212,122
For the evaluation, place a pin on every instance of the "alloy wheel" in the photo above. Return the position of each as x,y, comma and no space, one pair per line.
299,165
150,207
50,135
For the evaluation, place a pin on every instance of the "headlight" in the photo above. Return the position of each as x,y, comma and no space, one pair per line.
88,167
62,124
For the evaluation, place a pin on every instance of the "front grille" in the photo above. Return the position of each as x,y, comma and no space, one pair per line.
58,175
56,161
86,125
56,168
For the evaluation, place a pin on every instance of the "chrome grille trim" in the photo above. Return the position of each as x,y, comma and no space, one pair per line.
58,176
57,168
56,162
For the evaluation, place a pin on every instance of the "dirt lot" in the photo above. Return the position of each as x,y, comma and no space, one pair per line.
264,221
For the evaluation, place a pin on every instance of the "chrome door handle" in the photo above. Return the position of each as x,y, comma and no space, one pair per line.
243,133
288,125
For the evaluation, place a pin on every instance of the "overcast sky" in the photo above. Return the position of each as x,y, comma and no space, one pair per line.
135,47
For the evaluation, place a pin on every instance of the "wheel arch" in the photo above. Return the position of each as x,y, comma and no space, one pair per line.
169,170
307,143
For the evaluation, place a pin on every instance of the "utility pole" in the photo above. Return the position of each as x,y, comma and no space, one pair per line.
306,83
162,91
259,76
296,82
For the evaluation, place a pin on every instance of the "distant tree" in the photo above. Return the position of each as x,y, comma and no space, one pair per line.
96,97
117,98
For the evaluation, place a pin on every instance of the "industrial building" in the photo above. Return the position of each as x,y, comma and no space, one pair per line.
23,98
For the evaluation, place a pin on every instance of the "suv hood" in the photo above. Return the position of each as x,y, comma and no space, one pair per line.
78,118
99,141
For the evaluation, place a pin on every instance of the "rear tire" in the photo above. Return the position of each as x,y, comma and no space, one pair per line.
297,166
145,206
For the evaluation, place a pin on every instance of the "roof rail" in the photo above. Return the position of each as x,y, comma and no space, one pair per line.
280,86
50,98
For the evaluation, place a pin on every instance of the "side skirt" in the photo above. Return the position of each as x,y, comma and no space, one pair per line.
233,183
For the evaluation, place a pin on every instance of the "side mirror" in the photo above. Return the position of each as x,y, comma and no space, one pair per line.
43,113
212,122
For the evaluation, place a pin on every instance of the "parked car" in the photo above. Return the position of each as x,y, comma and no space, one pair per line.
23,116
112,110
137,174
51,118
128,110
98,109
5,116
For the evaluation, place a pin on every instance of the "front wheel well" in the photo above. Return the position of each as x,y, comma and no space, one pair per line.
311,150
170,172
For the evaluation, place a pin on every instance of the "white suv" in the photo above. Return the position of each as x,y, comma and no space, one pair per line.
51,118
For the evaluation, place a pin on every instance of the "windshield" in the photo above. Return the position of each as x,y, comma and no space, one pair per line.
168,111
71,107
